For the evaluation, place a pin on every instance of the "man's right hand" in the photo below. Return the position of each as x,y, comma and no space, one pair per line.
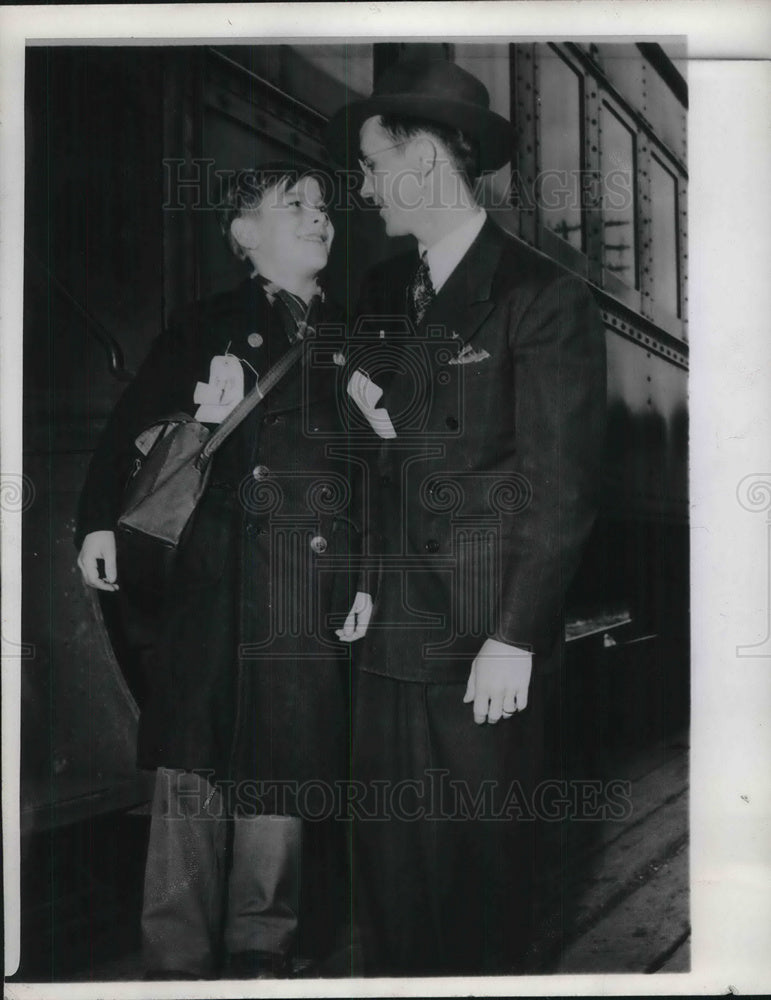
357,622
99,545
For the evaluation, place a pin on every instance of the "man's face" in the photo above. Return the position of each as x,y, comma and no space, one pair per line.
391,179
290,232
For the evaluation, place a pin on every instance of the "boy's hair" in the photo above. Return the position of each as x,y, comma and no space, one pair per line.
248,187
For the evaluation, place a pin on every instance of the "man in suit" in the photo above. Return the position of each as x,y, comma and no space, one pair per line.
478,372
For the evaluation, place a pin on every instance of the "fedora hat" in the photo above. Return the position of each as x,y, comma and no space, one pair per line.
434,90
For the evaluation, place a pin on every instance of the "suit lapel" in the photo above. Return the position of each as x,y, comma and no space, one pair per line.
465,300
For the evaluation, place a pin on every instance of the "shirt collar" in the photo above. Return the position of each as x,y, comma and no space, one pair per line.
443,257
271,288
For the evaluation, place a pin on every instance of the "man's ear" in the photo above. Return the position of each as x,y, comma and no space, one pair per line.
426,153
245,230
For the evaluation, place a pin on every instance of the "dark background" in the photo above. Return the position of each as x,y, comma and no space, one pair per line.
108,260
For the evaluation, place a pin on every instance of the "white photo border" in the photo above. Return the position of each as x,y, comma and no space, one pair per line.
729,79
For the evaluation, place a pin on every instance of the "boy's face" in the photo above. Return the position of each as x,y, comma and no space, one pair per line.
290,232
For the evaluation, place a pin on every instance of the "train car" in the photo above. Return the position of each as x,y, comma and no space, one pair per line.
127,149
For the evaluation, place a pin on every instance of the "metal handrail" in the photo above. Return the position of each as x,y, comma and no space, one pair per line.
97,329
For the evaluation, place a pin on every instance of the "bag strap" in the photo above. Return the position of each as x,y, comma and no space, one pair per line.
258,393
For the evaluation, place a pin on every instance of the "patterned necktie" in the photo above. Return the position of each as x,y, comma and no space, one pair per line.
421,292
292,309
296,309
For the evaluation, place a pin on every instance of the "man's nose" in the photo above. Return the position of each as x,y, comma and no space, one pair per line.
367,187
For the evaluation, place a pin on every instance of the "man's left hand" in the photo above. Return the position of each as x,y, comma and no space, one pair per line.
499,681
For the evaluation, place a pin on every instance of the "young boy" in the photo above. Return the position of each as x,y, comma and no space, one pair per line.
246,709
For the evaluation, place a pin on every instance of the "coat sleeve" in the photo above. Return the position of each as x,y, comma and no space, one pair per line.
158,389
367,571
558,349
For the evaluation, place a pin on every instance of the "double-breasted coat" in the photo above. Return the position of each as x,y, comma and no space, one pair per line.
244,674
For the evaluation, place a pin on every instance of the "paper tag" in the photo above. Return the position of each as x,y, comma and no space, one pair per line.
365,393
222,393
148,438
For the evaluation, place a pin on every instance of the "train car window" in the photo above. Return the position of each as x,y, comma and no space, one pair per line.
623,66
618,163
665,113
319,77
349,65
664,257
491,64
559,190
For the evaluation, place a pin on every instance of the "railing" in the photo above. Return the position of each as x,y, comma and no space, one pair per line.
112,348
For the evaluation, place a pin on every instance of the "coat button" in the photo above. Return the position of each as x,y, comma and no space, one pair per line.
431,545
319,544
254,340
260,472
452,423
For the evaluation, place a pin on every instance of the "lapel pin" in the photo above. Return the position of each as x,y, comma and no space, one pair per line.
254,340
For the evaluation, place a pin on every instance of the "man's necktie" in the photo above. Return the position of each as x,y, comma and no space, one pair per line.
421,291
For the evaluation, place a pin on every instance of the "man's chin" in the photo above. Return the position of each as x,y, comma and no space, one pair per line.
394,228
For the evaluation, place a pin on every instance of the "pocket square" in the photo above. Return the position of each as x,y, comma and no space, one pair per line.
468,356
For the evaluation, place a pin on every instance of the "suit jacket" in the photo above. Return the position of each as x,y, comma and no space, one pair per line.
243,668
480,504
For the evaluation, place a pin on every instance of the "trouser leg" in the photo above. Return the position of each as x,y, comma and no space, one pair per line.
482,858
184,875
444,878
393,910
264,885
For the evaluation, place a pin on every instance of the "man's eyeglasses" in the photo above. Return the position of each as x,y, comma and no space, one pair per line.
366,163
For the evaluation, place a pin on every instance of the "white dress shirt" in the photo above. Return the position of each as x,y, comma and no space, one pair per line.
443,257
